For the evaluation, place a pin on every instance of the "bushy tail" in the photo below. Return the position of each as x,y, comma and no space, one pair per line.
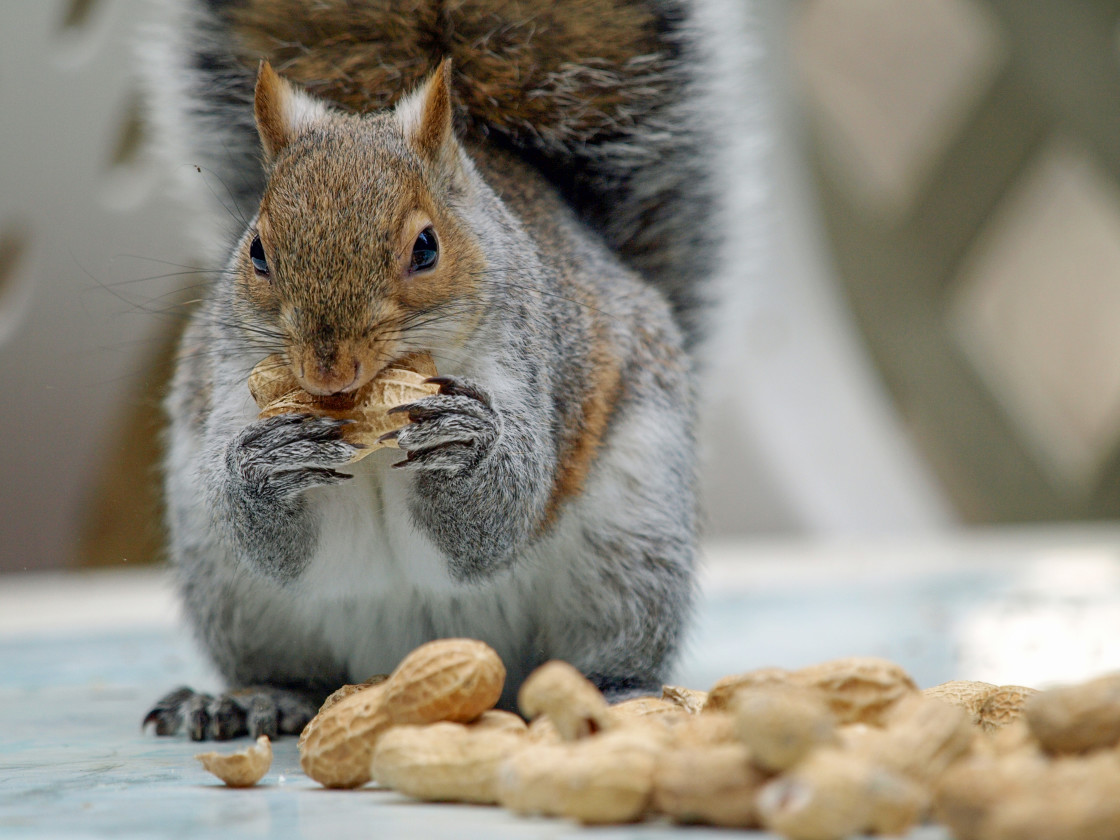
617,101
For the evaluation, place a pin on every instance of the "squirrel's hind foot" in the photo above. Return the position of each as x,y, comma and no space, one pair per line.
253,711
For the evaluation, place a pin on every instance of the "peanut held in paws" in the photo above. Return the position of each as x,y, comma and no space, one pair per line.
276,391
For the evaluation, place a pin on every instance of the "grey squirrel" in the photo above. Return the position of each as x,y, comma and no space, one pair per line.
523,190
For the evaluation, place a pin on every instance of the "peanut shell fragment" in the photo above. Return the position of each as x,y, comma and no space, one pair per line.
243,768
276,391
1015,737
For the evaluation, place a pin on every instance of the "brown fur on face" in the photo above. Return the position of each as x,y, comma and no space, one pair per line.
339,247
514,60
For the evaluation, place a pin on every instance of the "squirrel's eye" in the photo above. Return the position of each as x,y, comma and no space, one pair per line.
425,252
256,254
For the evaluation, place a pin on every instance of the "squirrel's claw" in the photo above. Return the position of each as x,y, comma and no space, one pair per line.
290,453
451,457
167,713
453,386
402,409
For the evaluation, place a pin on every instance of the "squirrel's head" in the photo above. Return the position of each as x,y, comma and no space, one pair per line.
359,253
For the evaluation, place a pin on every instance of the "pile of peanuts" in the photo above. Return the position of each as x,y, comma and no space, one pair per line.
844,748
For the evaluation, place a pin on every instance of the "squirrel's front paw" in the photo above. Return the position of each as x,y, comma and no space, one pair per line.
290,453
449,431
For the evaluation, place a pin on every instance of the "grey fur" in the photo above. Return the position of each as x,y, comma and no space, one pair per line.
629,181
300,573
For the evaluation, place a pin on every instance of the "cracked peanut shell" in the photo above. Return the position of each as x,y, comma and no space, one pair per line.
276,391
243,768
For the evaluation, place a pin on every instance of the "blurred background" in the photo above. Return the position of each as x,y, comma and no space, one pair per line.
933,346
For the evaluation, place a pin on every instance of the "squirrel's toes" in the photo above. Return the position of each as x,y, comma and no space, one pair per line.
254,711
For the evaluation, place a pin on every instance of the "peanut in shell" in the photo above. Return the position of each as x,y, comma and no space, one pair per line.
922,737
859,689
708,729
708,784
1076,718
1015,737
641,707
342,692
689,699
497,720
448,679
601,779
718,697
444,762
968,694
1005,704
966,793
1026,796
781,723
276,391
574,705
833,794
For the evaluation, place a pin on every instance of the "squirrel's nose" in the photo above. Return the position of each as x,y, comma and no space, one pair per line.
329,370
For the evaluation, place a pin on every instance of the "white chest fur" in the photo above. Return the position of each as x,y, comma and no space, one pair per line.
377,586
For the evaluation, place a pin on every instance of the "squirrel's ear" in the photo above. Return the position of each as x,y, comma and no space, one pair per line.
425,114
283,113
